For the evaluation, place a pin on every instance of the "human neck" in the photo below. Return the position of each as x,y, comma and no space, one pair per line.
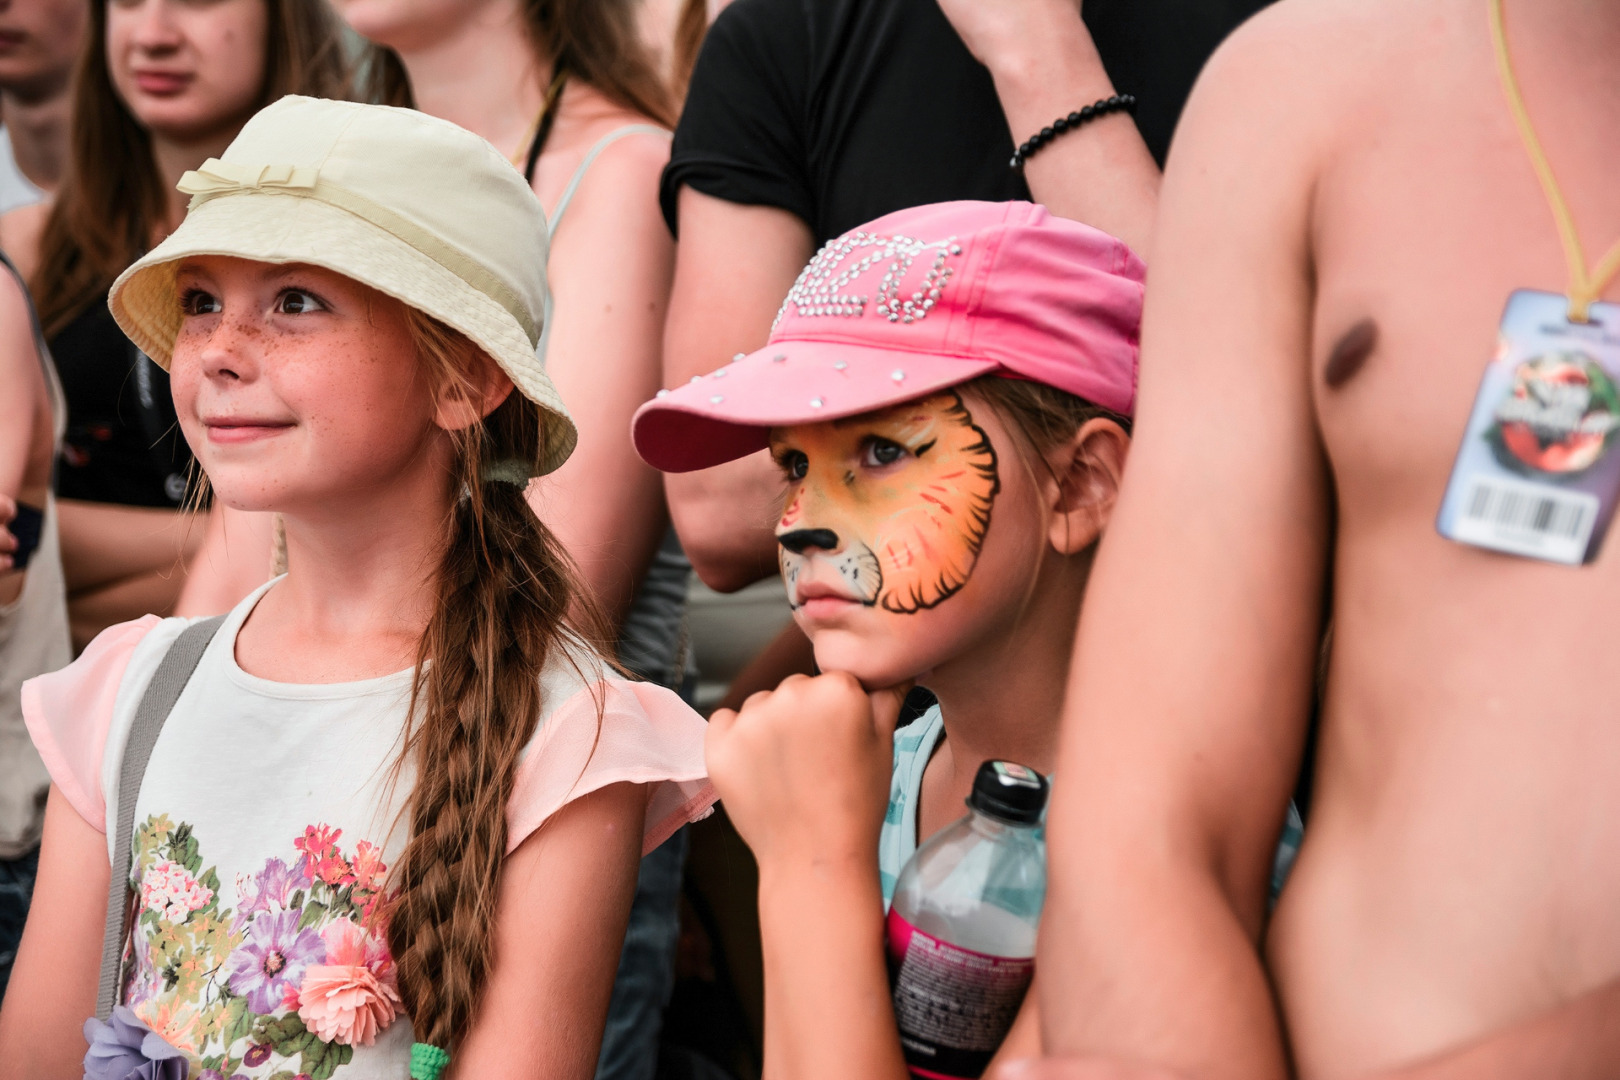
1003,699
38,125
484,75
175,157
361,584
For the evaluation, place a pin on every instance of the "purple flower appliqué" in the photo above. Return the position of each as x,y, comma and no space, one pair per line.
123,1048
274,955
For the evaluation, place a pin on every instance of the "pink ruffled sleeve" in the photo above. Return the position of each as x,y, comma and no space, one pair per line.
70,711
648,736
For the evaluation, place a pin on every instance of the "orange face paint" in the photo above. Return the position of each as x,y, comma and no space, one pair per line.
889,509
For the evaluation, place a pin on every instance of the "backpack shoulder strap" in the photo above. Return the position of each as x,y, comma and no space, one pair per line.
173,672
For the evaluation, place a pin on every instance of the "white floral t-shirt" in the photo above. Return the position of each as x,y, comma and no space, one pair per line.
269,818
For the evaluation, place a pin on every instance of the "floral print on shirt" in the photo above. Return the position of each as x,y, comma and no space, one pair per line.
282,986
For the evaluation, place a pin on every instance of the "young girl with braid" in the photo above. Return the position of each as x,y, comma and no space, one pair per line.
393,820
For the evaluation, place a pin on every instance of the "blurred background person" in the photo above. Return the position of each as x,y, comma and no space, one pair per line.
161,86
39,41
33,607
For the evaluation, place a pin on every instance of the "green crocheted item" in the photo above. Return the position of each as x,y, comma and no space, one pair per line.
427,1062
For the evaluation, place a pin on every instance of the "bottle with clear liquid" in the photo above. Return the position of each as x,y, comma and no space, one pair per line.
961,929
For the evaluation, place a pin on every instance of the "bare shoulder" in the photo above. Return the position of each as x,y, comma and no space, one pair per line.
20,232
1299,67
588,117
617,199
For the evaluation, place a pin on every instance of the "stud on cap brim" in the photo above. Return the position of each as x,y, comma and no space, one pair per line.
686,430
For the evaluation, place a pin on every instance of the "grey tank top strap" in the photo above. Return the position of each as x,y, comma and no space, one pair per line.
555,221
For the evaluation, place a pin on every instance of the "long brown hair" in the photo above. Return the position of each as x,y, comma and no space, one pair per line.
505,595
112,198
596,41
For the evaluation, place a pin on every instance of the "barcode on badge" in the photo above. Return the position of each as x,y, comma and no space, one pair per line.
1527,519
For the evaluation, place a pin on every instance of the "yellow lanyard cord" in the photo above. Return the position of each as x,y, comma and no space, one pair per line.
1584,287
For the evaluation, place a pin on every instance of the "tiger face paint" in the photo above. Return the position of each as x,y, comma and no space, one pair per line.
889,509
886,541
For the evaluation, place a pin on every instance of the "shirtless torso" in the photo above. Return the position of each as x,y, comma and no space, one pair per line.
1352,209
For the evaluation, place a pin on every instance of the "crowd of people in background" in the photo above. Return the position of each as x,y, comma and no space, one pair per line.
1093,377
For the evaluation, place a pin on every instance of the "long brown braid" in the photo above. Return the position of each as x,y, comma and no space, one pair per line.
506,591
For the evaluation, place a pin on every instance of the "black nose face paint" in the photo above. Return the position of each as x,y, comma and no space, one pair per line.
801,540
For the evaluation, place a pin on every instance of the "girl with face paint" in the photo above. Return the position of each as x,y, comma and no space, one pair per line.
947,391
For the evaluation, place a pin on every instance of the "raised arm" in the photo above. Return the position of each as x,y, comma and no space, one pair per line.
1188,696
733,267
804,774
1045,65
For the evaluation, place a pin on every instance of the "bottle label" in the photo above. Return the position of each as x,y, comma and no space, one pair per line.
954,1006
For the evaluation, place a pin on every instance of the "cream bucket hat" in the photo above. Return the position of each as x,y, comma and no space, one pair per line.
411,205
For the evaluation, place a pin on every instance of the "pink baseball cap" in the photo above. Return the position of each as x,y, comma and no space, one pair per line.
914,302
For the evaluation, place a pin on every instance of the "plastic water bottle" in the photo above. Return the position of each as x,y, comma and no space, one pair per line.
961,930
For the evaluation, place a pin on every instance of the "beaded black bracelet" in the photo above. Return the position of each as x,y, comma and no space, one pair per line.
1117,103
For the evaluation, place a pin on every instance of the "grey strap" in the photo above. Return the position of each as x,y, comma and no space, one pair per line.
555,220
590,159
164,690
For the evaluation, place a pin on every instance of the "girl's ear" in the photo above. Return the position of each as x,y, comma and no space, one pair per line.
1088,468
481,389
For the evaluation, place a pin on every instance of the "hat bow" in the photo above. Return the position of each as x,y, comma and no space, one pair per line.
216,177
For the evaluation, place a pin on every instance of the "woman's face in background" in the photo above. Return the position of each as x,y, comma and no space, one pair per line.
188,70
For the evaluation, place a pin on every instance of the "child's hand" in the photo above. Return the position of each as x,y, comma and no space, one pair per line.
804,769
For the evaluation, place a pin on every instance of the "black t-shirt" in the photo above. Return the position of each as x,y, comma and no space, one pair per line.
841,111
123,444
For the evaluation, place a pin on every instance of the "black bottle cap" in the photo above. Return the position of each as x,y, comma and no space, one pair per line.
1009,792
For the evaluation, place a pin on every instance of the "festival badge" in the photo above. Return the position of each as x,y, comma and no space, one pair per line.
1537,474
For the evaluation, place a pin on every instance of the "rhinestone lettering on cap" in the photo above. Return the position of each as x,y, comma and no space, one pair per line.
816,403
716,399
826,286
